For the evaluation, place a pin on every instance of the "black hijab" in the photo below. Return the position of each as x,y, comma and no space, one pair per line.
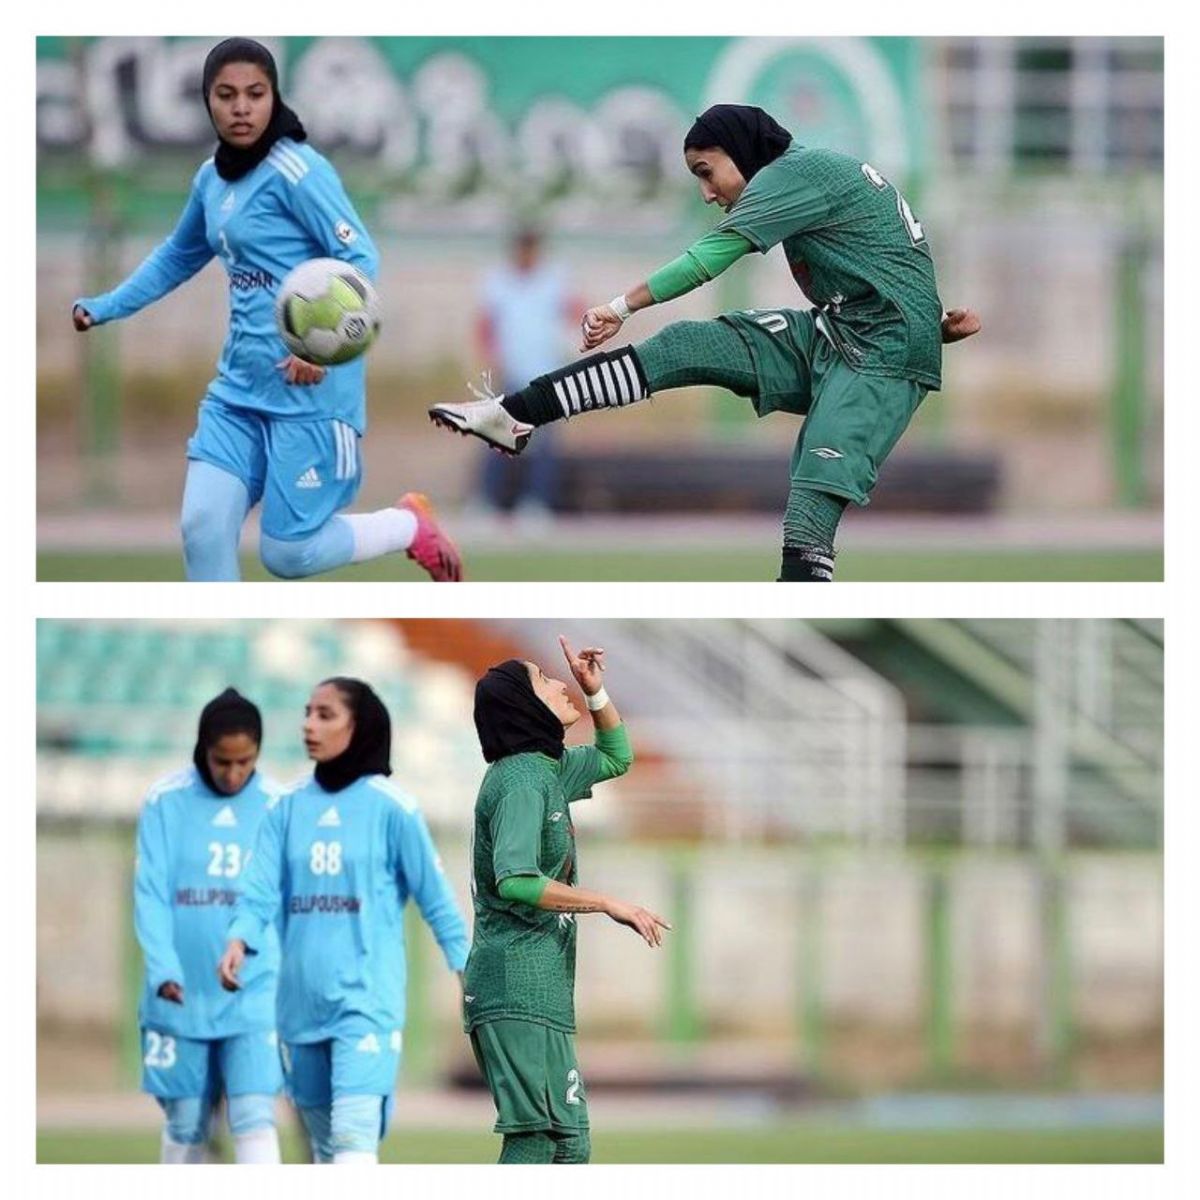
370,749
232,162
509,717
751,137
230,712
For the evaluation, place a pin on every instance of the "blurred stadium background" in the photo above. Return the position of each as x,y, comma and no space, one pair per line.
1035,163
914,869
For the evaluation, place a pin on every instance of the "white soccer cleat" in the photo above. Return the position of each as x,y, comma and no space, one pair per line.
486,419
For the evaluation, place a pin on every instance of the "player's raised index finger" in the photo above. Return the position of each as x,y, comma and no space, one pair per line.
566,648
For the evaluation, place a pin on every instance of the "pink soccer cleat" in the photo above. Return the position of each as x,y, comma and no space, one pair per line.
431,548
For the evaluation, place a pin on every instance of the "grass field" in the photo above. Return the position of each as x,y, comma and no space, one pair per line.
769,1144
659,565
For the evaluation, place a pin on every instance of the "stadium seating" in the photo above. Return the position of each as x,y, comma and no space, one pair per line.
118,703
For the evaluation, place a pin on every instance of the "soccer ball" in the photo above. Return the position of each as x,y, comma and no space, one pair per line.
327,312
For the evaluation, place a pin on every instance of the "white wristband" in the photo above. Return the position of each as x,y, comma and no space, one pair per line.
619,305
597,702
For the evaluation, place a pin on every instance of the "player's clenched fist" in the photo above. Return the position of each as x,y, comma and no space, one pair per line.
599,324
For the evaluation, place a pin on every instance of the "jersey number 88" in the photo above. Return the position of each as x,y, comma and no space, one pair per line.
325,858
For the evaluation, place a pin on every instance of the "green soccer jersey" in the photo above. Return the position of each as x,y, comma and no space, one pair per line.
858,254
522,961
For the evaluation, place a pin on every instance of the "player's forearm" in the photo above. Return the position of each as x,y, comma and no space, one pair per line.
638,297
561,897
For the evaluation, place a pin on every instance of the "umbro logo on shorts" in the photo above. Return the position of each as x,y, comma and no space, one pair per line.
826,452
556,816
310,479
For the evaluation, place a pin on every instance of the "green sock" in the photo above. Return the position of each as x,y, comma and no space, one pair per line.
682,354
573,1148
527,1148
809,526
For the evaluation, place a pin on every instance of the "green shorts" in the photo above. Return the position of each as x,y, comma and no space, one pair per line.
852,420
533,1075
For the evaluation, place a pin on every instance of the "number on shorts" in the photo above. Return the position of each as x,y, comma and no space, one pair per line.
225,859
916,231
326,858
574,1083
160,1050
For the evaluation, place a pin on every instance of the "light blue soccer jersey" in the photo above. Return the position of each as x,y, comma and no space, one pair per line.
290,208
193,847
339,868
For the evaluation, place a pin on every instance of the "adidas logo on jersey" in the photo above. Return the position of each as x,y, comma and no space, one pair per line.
368,1044
310,479
225,817
329,819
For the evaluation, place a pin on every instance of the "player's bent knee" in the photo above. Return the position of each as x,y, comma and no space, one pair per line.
206,530
251,1112
288,560
187,1120
357,1122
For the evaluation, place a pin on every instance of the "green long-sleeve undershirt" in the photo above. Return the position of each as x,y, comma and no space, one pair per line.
527,889
706,259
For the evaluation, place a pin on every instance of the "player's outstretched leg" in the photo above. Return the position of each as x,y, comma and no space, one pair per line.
684,354
409,525
535,1147
809,526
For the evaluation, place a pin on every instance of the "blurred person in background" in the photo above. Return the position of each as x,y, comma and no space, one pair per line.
272,427
518,1002
523,312
336,861
199,1042
855,366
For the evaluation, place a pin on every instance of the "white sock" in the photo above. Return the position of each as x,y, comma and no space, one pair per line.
354,1158
257,1146
382,532
180,1152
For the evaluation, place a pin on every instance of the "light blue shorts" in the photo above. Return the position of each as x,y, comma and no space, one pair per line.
303,471
359,1064
175,1068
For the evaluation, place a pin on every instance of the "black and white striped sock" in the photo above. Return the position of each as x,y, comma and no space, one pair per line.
806,564
609,379
604,380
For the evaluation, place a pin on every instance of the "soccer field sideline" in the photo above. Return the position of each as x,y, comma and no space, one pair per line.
118,530
1114,547
441,1108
